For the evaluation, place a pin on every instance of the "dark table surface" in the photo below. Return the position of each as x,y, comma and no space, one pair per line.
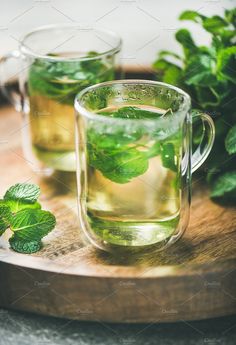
27,329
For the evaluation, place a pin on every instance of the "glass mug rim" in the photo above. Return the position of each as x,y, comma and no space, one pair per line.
81,110
26,50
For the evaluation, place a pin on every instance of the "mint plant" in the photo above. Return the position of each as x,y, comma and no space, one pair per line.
208,74
22,214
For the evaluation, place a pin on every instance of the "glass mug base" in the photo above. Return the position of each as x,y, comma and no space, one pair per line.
56,160
46,162
132,237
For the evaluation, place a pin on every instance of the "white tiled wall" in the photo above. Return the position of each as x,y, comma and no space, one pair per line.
145,25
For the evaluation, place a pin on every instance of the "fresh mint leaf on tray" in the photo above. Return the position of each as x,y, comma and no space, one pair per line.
22,214
23,192
21,196
26,247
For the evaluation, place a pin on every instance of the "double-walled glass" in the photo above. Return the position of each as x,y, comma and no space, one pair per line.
56,62
134,163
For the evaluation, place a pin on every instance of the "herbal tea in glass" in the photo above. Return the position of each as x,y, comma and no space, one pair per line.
57,62
52,86
125,168
133,146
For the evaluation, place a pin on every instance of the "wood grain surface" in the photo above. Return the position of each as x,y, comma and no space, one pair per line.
194,279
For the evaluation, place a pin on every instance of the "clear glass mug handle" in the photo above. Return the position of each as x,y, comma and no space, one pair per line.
11,94
204,148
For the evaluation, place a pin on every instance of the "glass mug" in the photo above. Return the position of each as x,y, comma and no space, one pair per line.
134,163
56,62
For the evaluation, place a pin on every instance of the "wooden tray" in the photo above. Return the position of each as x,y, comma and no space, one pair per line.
195,279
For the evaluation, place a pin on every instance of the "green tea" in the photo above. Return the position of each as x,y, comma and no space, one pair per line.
52,88
133,196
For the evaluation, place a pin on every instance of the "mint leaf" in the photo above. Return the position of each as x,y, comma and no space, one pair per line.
18,205
123,153
230,16
124,166
184,37
226,61
21,196
230,141
62,80
168,156
20,211
224,185
135,113
214,24
24,192
172,73
205,66
192,15
167,53
25,247
5,218
32,225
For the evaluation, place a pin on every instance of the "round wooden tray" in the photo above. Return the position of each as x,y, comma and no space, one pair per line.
194,279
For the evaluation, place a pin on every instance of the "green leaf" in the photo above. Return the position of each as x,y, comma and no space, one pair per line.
230,16
168,157
230,141
32,225
18,205
62,80
184,37
200,71
110,151
192,15
5,218
21,196
214,24
226,62
20,212
169,72
166,53
24,192
22,246
125,165
209,76
162,64
135,113
173,75
224,185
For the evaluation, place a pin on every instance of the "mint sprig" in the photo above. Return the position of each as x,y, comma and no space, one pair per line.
22,214
62,80
208,74
123,153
